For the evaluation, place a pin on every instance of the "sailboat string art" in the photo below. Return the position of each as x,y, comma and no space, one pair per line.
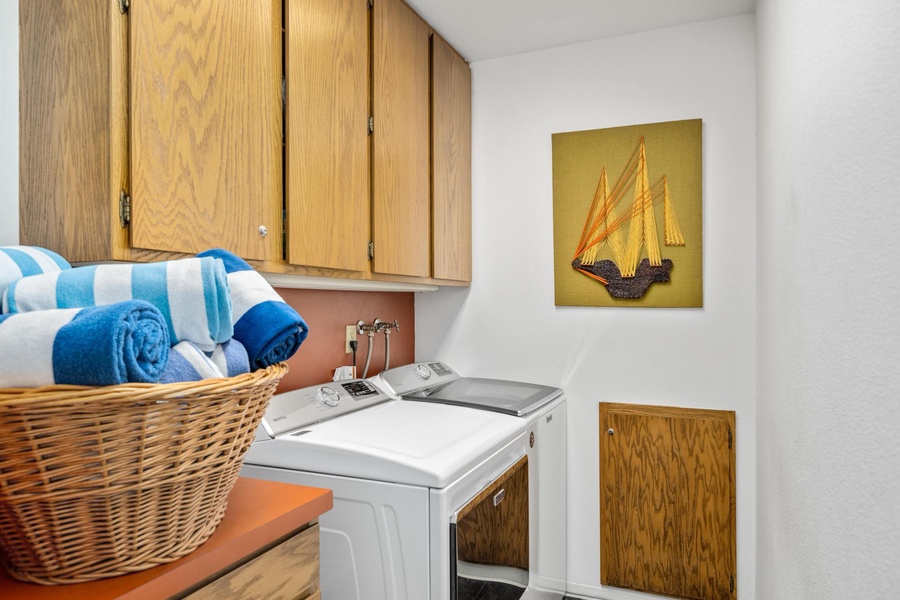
618,260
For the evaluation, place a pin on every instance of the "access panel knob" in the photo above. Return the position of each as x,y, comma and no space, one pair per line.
328,396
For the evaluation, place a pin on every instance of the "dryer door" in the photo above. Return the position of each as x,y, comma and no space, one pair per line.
489,538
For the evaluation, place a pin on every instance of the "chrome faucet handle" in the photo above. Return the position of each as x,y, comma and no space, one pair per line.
386,327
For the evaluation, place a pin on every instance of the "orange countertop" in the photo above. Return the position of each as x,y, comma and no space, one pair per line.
259,512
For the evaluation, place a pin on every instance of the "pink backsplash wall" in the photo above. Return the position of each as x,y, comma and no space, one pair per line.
327,313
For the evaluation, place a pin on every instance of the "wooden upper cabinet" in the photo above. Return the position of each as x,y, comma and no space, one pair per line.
400,145
245,125
668,500
71,143
206,126
326,144
451,152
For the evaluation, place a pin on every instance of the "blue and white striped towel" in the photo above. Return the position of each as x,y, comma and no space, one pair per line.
17,262
192,294
264,323
101,345
188,363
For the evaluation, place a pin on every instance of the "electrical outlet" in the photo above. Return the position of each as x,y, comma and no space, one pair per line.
349,336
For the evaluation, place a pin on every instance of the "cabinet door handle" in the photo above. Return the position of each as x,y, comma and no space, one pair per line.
499,496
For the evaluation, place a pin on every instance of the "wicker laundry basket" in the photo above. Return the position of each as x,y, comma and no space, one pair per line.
104,481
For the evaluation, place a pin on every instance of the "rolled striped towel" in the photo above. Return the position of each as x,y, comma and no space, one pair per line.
188,363
124,342
192,294
17,262
264,323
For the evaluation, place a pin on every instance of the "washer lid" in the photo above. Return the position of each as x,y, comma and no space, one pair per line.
509,397
413,443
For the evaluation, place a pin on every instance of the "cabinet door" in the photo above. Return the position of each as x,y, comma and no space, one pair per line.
667,500
289,571
451,151
206,126
71,133
326,145
400,145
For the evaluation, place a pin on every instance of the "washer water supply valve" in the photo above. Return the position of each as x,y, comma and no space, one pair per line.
386,328
363,328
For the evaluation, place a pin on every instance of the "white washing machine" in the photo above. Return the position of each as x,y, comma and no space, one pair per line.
541,412
405,477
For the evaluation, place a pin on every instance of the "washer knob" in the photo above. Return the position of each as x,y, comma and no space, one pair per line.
423,371
328,396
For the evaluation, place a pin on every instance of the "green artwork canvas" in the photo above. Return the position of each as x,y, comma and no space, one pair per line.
627,216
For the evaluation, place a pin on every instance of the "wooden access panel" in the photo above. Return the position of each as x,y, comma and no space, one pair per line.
206,131
327,144
400,141
451,151
492,532
667,500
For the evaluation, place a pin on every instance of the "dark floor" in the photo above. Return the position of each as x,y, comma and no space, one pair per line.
475,589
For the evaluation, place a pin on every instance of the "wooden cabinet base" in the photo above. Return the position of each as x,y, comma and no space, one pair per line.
288,571
267,523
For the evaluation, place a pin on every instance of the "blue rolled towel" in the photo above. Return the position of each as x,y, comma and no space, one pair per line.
17,262
188,363
192,294
230,358
264,323
125,342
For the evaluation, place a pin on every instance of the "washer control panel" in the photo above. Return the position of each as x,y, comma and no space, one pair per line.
418,379
294,410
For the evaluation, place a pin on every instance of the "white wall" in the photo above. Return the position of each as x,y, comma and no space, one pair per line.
506,324
829,299
9,122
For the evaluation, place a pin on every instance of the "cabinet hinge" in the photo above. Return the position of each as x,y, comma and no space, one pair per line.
731,584
730,439
283,92
371,4
371,250
123,6
124,208
371,125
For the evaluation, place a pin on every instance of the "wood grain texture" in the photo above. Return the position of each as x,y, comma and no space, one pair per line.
327,146
64,151
497,535
451,155
400,144
667,500
119,133
206,125
289,571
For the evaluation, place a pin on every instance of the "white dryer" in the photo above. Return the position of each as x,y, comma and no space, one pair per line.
541,413
403,474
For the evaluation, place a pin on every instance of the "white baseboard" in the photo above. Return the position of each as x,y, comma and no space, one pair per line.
590,592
